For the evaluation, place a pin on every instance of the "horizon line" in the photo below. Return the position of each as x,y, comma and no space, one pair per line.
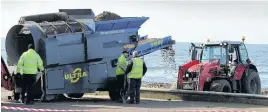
194,42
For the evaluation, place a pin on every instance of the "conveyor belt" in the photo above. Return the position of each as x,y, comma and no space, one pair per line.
150,45
149,40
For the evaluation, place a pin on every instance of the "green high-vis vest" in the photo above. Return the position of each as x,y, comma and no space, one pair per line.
137,69
29,62
121,65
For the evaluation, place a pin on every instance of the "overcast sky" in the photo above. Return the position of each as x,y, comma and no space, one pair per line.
184,21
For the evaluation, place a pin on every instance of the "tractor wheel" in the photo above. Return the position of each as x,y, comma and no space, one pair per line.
221,86
252,83
112,88
75,95
113,94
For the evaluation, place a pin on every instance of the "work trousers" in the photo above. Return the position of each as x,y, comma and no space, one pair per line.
120,84
28,82
134,90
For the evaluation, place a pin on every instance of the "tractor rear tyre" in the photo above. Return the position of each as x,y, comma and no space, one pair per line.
252,83
112,88
221,86
114,95
75,95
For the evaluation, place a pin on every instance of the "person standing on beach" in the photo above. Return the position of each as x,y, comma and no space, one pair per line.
120,73
29,63
136,69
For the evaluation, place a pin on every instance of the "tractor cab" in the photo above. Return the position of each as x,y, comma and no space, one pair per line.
228,53
220,66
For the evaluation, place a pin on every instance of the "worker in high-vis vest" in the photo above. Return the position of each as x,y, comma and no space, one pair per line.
120,73
136,69
28,65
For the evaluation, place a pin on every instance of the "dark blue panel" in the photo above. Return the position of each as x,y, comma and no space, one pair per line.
121,25
124,23
136,24
51,51
104,27
54,79
98,73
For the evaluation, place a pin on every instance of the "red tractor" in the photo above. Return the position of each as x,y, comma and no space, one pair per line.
222,66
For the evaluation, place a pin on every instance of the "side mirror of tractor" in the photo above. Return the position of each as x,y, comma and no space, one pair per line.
191,48
193,53
248,61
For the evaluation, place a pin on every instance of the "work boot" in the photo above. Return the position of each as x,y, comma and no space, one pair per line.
17,101
30,103
137,99
131,102
119,100
22,101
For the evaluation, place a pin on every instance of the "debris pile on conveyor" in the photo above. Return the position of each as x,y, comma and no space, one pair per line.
106,16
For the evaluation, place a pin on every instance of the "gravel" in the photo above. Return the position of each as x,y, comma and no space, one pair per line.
106,16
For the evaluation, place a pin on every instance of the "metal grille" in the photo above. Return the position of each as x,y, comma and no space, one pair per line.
59,27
